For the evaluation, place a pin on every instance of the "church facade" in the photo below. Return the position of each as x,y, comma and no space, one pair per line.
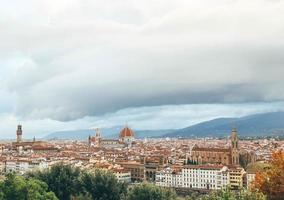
225,156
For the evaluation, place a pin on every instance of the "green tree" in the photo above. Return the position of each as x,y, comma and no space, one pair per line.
13,187
17,188
192,196
227,194
83,197
63,180
37,190
248,195
147,191
103,185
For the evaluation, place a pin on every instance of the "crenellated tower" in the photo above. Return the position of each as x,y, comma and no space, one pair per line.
19,133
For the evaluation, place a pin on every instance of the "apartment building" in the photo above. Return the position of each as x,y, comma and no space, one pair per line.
195,177
22,166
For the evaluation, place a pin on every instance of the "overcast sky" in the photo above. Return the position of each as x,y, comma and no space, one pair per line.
154,64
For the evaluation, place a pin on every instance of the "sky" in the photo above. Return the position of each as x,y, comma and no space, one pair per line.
74,64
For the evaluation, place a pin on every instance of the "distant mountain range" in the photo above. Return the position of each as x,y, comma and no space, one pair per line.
105,132
254,125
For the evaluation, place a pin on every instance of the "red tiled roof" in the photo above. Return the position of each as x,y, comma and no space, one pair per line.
204,167
196,148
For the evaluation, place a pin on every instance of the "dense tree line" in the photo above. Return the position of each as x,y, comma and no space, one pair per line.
147,191
18,188
63,182
71,183
227,194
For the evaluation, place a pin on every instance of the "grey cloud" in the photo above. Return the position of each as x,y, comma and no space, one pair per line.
88,58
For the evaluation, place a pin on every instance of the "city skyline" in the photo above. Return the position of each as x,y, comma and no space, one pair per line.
140,100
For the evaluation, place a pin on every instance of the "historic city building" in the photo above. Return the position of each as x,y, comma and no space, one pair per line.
225,156
126,139
32,145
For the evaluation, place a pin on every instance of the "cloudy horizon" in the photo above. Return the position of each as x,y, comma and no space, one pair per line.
139,118
75,64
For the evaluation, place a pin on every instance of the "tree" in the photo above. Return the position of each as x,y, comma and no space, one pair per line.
244,159
16,187
227,194
63,180
147,191
271,180
224,194
103,185
192,196
83,197
249,195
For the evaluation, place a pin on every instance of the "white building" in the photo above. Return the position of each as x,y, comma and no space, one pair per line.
2,165
22,166
169,178
250,179
122,175
195,177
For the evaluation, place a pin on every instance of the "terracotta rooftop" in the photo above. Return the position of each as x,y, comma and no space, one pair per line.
196,148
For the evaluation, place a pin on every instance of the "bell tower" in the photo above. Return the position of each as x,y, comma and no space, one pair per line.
235,147
98,137
19,133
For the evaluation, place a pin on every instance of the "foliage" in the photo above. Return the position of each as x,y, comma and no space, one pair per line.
63,180
251,195
16,187
83,197
103,185
227,194
147,191
192,196
271,181
245,159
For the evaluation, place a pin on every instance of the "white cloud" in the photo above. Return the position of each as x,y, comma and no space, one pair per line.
65,60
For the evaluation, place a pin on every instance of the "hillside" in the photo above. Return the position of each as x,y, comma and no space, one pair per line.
253,125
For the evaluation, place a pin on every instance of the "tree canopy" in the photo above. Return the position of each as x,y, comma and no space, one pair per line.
147,191
227,194
17,188
271,180
63,180
103,185
68,183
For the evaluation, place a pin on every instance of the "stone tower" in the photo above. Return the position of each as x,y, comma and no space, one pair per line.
19,133
98,138
235,147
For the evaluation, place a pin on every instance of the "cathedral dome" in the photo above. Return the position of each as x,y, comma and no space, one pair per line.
126,132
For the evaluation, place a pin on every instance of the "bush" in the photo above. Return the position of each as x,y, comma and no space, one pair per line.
147,191
63,180
103,185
